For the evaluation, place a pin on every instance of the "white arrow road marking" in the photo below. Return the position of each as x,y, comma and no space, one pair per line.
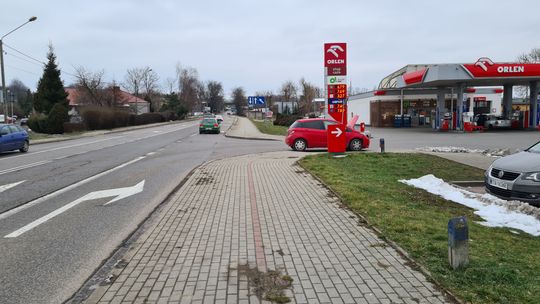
66,189
337,131
119,194
9,186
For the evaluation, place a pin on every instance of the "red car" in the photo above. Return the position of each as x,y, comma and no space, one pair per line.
311,133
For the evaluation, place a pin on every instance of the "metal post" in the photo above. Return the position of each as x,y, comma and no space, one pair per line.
452,108
401,103
4,89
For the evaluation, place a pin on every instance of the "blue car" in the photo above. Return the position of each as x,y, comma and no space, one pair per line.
13,137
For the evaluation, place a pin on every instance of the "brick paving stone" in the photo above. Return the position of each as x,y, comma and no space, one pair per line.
261,211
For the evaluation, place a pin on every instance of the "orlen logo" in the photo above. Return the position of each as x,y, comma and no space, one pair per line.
483,63
333,49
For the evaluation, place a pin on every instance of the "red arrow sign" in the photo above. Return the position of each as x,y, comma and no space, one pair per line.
337,141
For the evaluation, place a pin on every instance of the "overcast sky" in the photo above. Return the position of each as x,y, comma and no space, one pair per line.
259,44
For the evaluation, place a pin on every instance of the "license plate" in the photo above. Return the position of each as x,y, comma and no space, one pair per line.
208,128
498,183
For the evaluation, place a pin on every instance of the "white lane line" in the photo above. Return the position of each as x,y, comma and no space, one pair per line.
66,189
9,186
193,135
118,193
24,167
65,147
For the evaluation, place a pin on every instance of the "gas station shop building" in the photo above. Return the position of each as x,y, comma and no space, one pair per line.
430,94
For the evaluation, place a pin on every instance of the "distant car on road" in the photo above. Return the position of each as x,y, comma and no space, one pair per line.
311,133
219,119
209,125
516,176
13,137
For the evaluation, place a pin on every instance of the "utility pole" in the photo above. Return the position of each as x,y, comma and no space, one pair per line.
4,88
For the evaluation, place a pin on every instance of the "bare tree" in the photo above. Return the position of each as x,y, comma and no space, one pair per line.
239,100
215,98
170,85
133,82
288,93
532,57
91,87
309,92
189,87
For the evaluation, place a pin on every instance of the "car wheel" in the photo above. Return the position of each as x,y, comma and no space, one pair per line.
355,144
299,145
25,147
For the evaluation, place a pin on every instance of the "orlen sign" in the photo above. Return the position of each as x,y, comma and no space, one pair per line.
335,55
486,68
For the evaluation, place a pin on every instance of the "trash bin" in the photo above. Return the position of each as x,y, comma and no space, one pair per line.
398,121
406,121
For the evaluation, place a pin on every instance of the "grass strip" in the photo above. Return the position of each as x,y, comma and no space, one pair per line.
504,263
268,127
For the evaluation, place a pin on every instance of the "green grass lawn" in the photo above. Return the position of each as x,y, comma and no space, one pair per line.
269,128
504,266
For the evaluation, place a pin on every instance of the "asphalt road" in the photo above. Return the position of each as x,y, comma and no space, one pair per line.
55,228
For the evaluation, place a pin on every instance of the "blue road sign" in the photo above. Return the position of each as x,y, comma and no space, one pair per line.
256,100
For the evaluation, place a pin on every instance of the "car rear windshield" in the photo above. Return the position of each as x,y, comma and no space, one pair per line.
209,121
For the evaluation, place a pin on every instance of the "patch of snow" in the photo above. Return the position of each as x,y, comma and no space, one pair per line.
496,212
451,149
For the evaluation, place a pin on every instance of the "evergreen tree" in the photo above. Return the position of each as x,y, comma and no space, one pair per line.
50,90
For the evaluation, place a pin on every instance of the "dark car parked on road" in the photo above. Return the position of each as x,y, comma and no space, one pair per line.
13,137
516,176
311,133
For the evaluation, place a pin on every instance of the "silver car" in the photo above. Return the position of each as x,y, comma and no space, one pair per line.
490,121
516,176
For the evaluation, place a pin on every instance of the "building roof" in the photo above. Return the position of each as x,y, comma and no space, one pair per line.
121,97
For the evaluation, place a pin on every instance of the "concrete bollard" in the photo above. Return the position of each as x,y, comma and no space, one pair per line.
458,242
381,144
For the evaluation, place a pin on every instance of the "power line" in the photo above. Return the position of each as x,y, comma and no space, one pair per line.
28,56
36,60
22,70
24,59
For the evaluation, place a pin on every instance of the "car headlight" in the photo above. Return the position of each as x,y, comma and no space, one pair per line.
488,172
534,176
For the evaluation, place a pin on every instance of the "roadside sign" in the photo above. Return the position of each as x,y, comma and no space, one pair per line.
340,79
339,70
335,67
337,91
336,138
335,54
256,100
269,114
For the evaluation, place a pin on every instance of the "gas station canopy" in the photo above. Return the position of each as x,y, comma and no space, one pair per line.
482,73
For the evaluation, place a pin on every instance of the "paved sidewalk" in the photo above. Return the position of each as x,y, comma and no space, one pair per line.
243,128
235,220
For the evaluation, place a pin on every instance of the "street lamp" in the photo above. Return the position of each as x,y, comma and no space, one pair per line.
4,89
